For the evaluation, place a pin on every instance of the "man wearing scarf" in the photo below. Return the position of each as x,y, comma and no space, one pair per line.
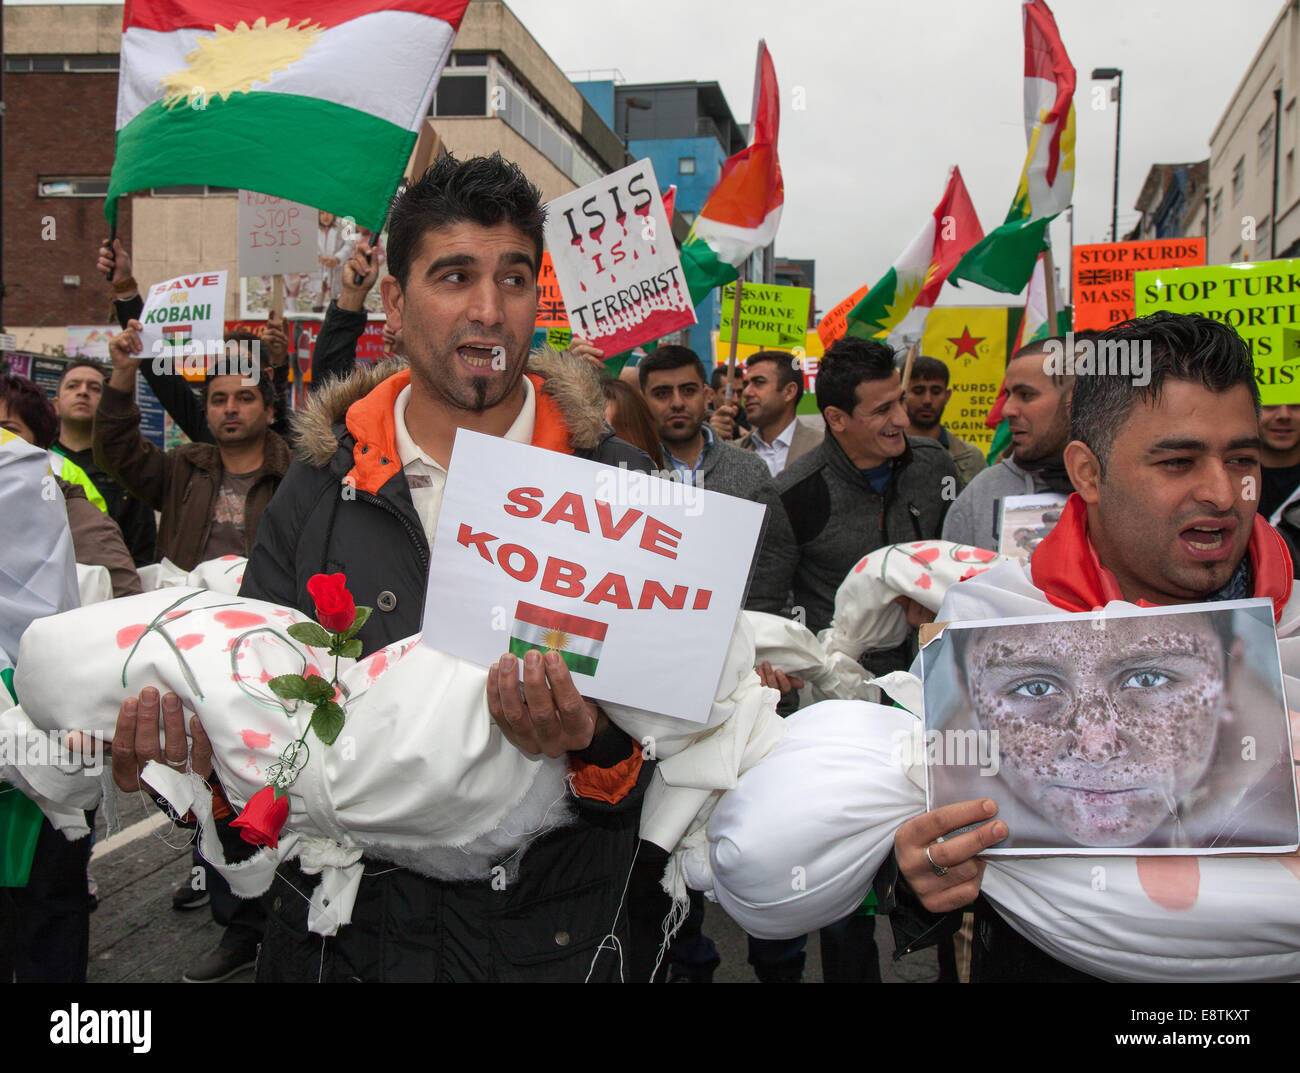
1038,413
1164,512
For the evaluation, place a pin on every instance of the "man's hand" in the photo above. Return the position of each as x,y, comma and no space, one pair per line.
364,266
723,420
392,340
580,348
275,340
778,680
917,614
115,263
551,717
135,739
123,348
960,885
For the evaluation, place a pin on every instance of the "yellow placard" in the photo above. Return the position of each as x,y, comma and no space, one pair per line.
972,342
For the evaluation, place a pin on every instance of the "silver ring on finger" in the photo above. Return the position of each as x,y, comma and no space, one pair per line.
939,869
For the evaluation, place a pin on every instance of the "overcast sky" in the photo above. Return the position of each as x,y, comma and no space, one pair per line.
897,93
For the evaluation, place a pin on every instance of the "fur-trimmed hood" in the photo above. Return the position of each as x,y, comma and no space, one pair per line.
570,381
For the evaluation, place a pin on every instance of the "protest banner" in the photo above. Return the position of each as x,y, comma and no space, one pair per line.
183,317
972,342
1260,300
1102,289
809,357
620,287
275,235
771,317
17,362
1191,756
89,341
550,303
619,572
832,326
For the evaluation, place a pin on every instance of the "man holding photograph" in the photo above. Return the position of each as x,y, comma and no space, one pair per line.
1165,513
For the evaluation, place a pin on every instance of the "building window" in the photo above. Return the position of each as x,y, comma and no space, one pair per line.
191,191
90,63
461,95
1266,142
64,186
1238,180
525,115
685,165
1218,206
1263,248
469,59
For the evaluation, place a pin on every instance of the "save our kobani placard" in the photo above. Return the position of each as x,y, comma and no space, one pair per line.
634,580
185,315
617,265
1261,300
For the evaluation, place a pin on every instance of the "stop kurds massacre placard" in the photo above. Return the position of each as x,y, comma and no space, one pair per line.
634,580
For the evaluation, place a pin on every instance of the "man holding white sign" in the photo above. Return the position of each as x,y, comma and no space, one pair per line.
364,498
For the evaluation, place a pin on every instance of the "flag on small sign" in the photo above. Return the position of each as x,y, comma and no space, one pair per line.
577,640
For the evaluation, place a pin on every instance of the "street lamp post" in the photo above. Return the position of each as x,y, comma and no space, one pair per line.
641,105
1106,74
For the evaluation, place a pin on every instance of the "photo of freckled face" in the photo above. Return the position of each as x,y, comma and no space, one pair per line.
1101,732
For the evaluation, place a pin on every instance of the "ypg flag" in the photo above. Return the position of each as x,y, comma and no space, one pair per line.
1005,260
742,213
262,95
972,342
577,640
916,278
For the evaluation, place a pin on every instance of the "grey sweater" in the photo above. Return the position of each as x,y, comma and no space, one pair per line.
973,518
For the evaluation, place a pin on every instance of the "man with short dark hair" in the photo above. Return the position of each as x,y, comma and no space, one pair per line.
80,387
1037,410
1279,432
728,419
773,388
927,395
672,381
1164,513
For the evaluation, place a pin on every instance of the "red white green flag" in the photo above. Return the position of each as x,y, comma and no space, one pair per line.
742,213
278,96
577,640
1005,260
915,279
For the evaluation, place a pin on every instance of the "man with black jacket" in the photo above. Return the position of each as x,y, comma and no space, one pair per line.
363,498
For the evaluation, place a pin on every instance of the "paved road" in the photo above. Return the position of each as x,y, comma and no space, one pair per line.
136,935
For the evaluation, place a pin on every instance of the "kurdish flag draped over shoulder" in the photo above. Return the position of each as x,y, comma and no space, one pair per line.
916,278
744,209
1005,260
276,96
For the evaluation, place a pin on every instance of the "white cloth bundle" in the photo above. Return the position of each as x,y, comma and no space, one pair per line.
225,574
420,774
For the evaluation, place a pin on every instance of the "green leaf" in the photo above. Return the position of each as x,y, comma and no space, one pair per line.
318,690
363,613
353,648
310,633
327,721
289,686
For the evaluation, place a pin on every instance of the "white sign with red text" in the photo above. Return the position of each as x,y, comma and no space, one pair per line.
634,580
185,316
616,262
275,235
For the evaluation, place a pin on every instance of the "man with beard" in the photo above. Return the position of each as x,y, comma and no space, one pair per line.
1038,413
927,395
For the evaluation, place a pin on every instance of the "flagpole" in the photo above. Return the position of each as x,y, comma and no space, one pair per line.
1049,279
907,365
735,335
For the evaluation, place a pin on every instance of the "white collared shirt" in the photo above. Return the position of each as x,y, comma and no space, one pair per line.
774,453
424,476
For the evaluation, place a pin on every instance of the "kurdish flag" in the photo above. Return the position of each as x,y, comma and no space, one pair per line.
744,209
1005,260
916,278
267,95
577,640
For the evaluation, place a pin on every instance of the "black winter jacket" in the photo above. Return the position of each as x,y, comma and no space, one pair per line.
548,923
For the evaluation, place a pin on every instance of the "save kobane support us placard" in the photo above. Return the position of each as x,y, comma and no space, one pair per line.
184,315
1103,276
616,261
770,316
972,342
1261,301
275,235
634,580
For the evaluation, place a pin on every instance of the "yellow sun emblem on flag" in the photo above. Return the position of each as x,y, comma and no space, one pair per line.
904,298
233,60
555,639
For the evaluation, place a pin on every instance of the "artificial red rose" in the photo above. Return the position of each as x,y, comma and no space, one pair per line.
335,608
263,818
